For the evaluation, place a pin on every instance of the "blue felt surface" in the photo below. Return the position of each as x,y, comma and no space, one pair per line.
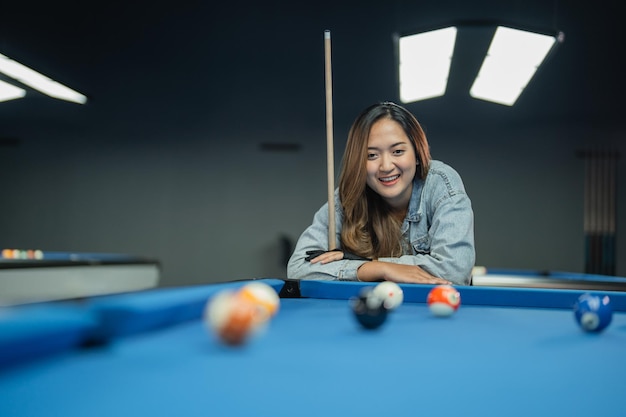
314,360
35,331
531,273
585,277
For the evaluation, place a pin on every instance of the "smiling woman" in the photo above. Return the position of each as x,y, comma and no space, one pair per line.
400,215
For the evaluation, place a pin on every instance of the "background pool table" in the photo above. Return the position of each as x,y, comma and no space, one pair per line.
506,352
69,275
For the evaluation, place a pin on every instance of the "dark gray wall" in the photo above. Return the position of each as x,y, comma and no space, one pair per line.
166,160
215,210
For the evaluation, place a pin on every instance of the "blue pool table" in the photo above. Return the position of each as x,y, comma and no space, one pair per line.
508,351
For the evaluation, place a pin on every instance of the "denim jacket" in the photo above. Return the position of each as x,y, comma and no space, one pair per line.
438,230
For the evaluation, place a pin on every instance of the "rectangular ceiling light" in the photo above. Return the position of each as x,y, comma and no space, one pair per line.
424,63
38,81
511,61
10,92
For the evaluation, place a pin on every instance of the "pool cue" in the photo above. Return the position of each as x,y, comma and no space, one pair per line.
330,162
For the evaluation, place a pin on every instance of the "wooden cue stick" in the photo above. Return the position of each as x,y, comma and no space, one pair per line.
329,143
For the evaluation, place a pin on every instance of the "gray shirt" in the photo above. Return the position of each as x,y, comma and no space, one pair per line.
438,233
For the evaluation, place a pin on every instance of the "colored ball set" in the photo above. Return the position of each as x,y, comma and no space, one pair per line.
22,254
236,316
593,313
373,304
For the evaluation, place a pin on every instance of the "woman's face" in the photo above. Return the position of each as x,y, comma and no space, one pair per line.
391,163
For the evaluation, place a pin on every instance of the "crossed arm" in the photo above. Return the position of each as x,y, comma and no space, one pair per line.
375,271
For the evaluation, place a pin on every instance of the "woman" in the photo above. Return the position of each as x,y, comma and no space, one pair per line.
400,216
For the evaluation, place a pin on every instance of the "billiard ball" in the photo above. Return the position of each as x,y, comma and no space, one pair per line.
264,297
391,293
369,309
593,313
231,318
443,300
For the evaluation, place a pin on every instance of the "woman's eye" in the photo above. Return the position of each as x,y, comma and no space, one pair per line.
398,152
371,156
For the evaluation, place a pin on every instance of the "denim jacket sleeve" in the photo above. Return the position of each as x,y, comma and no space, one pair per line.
315,237
441,227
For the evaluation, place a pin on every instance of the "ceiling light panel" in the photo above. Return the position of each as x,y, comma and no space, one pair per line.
10,92
424,64
38,81
511,62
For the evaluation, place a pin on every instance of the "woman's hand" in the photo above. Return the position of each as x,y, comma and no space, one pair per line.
324,257
376,271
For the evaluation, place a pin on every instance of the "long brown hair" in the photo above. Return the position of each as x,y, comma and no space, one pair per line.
368,229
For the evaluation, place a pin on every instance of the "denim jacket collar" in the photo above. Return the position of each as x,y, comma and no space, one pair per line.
414,214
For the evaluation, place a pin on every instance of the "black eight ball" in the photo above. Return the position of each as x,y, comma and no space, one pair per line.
369,309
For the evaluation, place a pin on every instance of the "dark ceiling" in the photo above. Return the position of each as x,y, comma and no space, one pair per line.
177,62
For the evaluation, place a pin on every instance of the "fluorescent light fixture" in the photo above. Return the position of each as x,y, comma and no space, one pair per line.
38,81
10,92
424,63
513,57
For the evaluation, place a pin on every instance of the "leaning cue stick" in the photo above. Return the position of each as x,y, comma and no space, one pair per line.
329,143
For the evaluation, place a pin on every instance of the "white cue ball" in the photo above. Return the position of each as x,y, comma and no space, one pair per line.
391,293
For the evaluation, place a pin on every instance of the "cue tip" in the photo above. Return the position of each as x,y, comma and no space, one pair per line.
327,34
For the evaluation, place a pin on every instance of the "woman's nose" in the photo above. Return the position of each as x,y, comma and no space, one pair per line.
386,163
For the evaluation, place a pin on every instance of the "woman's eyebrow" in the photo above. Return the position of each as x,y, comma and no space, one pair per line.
374,148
